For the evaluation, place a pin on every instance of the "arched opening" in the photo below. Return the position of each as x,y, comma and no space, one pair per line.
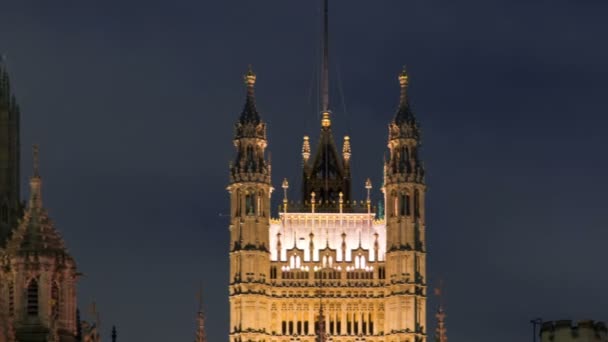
32,298
249,203
405,204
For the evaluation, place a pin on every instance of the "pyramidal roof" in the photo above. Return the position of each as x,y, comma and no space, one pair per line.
36,234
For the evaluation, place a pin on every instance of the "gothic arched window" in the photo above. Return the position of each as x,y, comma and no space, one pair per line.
249,203
32,298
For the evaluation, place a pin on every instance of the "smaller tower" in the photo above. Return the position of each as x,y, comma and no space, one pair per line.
250,189
441,332
404,189
201,335
38,275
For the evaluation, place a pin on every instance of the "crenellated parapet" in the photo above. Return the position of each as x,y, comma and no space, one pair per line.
566,330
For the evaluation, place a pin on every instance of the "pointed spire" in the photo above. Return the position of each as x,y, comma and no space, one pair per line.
346,151
403,82
404,114
35,181
114,334
250,112
306,149
441,330
201,335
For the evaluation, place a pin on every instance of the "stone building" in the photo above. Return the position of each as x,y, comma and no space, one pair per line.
565,331
38,276
329,267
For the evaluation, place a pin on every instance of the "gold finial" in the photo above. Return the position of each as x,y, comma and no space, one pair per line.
306,149
346,151
368,187
403,77
250,77
326,121
312,201
36,152
285,186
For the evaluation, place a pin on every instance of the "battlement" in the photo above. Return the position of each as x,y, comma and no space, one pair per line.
565,331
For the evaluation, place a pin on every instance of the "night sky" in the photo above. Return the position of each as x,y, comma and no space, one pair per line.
133,105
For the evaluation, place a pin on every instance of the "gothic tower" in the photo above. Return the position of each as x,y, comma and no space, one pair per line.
404,189
250,190
37,277
328,268
10,202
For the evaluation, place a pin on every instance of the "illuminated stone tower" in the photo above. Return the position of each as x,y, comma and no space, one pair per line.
37,278
404,189
10,200
327,268
250,191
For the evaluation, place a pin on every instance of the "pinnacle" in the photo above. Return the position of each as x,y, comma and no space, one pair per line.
250,112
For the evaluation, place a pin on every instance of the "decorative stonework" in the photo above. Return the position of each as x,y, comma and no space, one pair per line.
369,274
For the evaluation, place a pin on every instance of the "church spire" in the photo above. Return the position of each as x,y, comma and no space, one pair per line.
250,139
201,335
10,179
404,113
250,112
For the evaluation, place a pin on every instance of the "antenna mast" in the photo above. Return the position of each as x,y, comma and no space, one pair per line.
325,62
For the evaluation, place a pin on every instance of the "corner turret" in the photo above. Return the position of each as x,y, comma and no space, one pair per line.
39,275
250,189
404,191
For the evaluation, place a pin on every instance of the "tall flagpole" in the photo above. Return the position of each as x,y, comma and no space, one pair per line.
325,62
